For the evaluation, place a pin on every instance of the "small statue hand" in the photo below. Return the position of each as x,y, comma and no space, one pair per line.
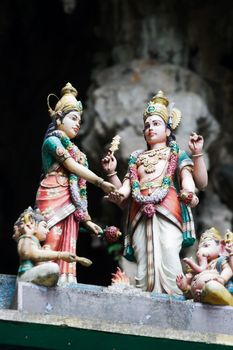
93,227
188,261
196,143
109,163
83,261
181,282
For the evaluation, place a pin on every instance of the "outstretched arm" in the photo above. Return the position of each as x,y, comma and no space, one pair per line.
88,175
28,250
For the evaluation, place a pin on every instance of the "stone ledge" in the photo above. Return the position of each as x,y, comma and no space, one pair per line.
102,304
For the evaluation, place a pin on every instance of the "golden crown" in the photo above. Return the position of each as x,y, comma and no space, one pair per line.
159,105
210,234
67,101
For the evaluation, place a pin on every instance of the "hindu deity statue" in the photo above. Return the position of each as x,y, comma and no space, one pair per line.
62,196
210,279
158,191
30,230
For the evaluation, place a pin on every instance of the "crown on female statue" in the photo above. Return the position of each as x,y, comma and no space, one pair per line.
67,102
210,234
228,237
159,105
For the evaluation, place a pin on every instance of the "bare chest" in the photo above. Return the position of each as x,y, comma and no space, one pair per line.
152,164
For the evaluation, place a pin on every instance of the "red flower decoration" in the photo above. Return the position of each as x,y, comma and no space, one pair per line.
149,210
79,215
112,234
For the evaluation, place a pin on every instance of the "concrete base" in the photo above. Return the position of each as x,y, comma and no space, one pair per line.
127,306
83,316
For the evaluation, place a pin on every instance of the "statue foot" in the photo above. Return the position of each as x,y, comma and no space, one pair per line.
66,279
47,281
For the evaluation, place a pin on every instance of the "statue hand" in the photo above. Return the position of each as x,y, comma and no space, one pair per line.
196,143
194,202
115,197
188,261
107,187
93,227
68,257
83,261
109,163
181,282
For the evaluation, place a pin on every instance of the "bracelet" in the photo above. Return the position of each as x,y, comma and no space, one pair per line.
99,182
59,256
112,174
197,155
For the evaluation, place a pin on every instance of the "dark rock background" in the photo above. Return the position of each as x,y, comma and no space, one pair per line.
44,44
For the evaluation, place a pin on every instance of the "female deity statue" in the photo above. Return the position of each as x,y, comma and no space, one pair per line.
61,196
160,190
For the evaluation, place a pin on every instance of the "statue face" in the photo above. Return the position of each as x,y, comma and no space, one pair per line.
155,130
70,124
210,249
41,231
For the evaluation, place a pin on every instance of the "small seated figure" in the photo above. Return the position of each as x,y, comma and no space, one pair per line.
35,262
207,281
228,246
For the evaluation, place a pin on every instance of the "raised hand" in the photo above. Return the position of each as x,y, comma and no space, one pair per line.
196,143
109,163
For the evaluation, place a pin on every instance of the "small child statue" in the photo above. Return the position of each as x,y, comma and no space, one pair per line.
37,264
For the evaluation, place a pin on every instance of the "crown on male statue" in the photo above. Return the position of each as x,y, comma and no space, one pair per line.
67,102
210,234
159,105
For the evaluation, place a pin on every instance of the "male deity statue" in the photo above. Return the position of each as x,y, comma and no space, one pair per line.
159,189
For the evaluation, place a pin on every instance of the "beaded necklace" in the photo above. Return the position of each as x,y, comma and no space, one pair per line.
77,184
160,192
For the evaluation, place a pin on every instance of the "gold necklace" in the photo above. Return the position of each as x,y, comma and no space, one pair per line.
149,159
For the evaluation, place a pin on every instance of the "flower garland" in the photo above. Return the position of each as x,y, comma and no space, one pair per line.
159,193
77,184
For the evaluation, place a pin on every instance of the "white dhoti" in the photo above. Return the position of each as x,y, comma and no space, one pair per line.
157,244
